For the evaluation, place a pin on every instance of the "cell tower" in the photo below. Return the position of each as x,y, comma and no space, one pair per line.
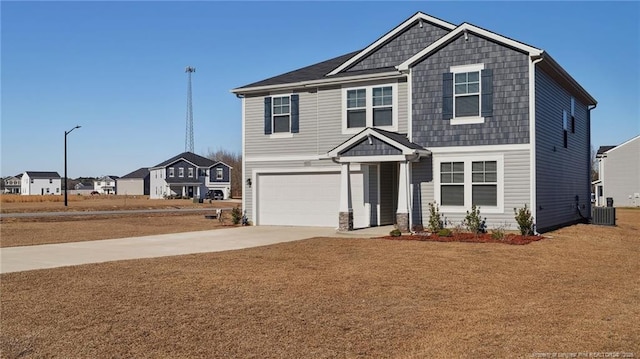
188,139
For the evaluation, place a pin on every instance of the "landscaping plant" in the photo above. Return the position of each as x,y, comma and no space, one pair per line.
525,220
474,222
435,219
236,215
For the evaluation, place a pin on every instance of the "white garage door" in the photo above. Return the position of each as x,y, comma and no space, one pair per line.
303,199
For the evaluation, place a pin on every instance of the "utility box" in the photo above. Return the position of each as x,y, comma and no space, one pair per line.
604,216
609,201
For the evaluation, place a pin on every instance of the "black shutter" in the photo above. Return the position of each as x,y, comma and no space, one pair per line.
487,93
295,118
447,96
267,115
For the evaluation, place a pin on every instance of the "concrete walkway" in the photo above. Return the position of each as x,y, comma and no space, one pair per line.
17,259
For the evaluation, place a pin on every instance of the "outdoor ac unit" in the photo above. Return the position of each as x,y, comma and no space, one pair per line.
604,216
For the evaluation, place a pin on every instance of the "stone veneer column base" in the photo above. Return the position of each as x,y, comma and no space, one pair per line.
402,222
345,221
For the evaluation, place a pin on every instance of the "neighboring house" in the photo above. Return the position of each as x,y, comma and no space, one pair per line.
429,112
105,185
189,176
12,184
40,183
81,188
619,174
134,183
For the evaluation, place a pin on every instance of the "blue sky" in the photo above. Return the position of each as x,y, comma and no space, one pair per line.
117,68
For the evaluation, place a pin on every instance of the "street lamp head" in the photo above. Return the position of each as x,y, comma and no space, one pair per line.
77,126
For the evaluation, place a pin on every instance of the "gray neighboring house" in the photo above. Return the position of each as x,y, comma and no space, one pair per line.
189,176
619,174
134,183
429,112
12,184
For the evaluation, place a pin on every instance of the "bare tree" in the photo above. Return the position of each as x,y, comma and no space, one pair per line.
594,164
234,160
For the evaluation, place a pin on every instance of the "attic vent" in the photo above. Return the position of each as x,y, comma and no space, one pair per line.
605,216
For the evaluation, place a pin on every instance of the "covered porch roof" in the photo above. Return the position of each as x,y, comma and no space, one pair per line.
376,145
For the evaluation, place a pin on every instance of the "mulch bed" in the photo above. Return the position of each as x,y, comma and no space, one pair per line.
468,237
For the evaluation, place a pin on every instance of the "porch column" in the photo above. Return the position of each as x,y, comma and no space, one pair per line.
402,214
345,215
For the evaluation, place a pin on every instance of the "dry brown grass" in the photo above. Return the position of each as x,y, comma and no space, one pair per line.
345,298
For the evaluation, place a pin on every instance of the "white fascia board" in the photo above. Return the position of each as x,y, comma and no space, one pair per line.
365,159
370,132
320,82
532,51
622,144
391,34
284,158
219,163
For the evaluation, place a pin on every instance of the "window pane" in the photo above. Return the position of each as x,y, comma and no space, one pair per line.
356,118
461,77
285,100
458,166
445,178
277,101
377,92
285,109
445,167
477,166
281,123
377,101
491,177
467,106
473,76
477,177
458,177
474,88
461,89
484,195
277,110
491,166
452,195
382,117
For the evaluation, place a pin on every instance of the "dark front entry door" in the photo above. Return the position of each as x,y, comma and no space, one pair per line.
190,191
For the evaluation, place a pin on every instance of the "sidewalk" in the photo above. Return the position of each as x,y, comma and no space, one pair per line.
17,259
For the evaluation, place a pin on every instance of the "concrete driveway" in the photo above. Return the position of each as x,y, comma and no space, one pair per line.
17,259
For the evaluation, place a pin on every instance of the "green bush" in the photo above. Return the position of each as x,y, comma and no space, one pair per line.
236,215
395,233
445,232
474,222
525,220
435,219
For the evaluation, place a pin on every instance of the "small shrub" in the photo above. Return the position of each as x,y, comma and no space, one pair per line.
525,220
474,222
499,231
445,232
436,222
395,233
457,228
236,215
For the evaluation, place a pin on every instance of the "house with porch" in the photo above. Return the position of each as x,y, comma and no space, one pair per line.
11,184
105,185
429,112
619,174
189,175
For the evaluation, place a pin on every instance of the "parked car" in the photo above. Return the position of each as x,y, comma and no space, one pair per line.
95,193
215,194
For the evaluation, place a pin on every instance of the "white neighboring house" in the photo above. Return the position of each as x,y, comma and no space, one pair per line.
619,174
41,183
12,184
105,185
190,176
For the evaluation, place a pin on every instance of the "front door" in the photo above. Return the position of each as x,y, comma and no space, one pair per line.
190,191
388,195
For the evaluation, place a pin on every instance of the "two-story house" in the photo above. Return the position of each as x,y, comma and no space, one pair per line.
40,183
190,176
619,174
430,112
134,183
11,184
105,185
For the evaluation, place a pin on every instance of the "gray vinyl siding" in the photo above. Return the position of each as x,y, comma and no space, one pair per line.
516,189
561,173
621,174
320,123
509,123
131,187
186,179
226,175
402,47
376,148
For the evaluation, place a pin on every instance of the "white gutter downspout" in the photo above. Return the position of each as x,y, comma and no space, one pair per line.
532,137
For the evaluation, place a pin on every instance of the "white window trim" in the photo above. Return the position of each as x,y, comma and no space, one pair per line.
172,172
190,172
466,120
369,108
468,182
219,174
275,134
181,172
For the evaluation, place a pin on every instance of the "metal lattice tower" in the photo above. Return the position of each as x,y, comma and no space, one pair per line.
188,139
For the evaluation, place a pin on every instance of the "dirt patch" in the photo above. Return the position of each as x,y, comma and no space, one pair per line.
576,291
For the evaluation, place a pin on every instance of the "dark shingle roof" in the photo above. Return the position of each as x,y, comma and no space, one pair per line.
139,173
188,156
45,175
604,149
400,138
313,72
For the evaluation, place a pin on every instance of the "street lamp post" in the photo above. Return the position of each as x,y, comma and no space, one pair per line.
66,182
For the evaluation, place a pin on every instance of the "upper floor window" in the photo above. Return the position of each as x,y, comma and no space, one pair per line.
219,173
281,115
172,172
467,93
180,171
370,106
50,180
190,172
